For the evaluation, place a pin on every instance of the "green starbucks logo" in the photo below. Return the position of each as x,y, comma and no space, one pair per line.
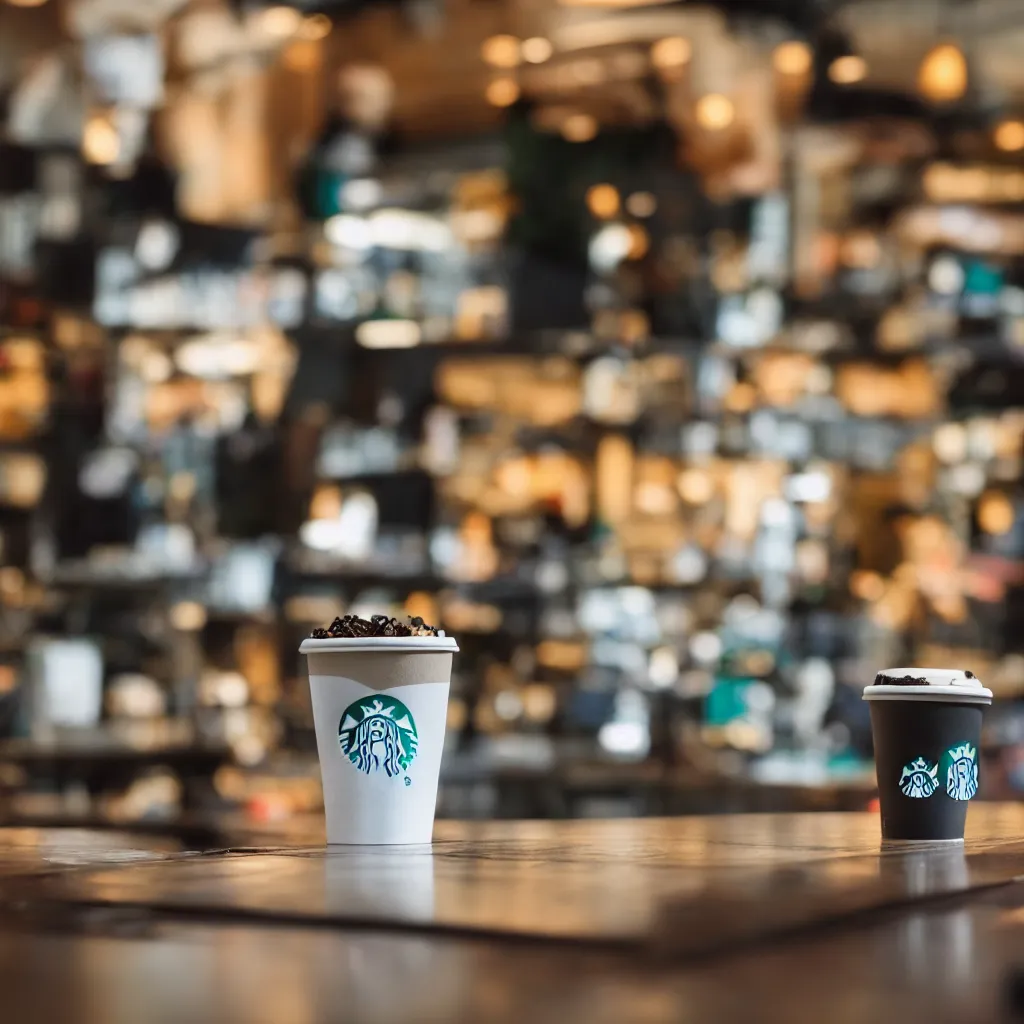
962,771
919,779
378,734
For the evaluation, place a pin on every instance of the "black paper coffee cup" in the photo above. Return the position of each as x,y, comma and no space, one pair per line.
926,725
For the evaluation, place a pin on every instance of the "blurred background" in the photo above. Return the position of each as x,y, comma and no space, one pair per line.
670,356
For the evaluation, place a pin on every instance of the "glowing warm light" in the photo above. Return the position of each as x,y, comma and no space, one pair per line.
567,655
848,70
423,605
26,3
501,51
536,50
868,586
389,334
100,141
641,204
188,616
280,22
861,249
614,469
539,702
995,513
654,498
695,486
945,183
316,26
949,442
579,127
603,201
326,502
639,242
1009,136
156,367
671,52
792,58
715,111
502,92
943,74
302,55
741,397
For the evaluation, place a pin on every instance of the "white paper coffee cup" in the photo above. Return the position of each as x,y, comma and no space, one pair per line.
379,707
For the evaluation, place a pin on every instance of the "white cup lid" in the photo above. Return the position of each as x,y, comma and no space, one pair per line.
931,684
391,644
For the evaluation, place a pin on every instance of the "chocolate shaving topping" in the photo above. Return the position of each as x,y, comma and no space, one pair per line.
883,680
353,627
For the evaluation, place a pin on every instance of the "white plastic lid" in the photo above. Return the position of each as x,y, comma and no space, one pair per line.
939,684
391,644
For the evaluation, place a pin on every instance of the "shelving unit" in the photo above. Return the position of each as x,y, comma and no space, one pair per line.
680,471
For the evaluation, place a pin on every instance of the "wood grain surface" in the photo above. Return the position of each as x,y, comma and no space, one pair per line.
689,885
756,918
30,851
953,963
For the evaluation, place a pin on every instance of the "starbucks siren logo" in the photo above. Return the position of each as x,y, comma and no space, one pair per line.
919,779
378,733
962,773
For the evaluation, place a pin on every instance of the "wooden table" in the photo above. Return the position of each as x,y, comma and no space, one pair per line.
760,917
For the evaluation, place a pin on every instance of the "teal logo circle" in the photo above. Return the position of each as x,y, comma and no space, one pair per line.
961,763
378,734
919,779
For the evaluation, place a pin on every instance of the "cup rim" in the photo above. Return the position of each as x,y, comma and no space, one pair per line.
389,644
934,694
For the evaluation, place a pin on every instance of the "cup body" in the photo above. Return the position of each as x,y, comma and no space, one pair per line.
379,708
926,756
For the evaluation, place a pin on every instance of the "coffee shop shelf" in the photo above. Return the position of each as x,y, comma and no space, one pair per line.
101,761
584,789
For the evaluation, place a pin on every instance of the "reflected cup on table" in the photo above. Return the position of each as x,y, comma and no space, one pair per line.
926,725
380,705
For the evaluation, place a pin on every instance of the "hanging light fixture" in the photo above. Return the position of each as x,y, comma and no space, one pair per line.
943,77
101,143
603,201
536,49
836,55
671,52
1009,135
715,112
579,128
848,69
793,57
502,92
501,51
